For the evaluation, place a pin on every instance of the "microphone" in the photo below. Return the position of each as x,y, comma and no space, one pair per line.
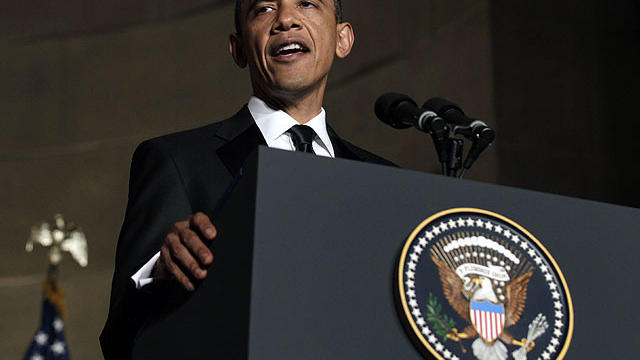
482,136
452,114
400,112
449,111
477,131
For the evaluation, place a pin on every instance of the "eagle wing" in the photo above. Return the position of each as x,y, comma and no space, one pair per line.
40,235
76,244
516,297
452,288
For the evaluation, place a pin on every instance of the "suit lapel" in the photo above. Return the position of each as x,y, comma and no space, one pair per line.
340,148
243,136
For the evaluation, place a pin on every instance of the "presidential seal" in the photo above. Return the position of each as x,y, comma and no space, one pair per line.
475,285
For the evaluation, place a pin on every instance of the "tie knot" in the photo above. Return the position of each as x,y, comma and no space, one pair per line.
302,137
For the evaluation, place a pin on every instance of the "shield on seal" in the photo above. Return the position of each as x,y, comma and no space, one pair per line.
488,319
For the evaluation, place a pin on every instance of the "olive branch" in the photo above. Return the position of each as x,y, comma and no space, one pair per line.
442,324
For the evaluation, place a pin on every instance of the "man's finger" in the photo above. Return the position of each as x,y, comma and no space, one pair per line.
177,226
182,256
201,223
174,269
197,247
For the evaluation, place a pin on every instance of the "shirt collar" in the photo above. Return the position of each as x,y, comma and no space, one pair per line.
275,123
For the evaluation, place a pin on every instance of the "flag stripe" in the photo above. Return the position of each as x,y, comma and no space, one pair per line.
488,324
493,325
485,328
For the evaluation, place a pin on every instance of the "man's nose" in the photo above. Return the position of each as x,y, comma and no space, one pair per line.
287,18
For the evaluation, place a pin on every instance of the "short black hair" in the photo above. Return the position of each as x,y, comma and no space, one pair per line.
238,13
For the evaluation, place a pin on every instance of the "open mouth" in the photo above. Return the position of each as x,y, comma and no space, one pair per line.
289,49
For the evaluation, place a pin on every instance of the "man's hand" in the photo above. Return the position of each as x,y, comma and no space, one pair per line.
184,254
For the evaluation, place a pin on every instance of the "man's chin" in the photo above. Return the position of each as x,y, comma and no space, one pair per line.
290,85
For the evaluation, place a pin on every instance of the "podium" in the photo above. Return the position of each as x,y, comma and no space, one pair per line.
307,253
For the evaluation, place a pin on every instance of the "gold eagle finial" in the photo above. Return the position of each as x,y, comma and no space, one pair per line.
58,237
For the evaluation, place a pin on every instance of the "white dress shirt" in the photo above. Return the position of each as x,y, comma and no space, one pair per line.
273,125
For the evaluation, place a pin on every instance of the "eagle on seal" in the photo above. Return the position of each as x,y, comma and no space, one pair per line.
463,293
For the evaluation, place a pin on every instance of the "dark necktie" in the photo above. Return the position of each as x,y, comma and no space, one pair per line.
302,137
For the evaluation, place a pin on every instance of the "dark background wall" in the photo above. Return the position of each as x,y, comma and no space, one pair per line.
566,82
83,81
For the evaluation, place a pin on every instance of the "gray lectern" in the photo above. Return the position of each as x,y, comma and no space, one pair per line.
308,248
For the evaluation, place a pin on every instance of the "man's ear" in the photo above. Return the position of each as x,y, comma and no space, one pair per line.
237,51
345,39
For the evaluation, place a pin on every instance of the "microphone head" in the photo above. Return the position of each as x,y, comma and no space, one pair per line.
447,110
385,106
482,132
439,105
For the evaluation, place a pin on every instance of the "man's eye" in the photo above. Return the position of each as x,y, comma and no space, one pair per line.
307,4
263,9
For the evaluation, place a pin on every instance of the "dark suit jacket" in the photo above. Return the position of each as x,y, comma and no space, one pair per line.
172,177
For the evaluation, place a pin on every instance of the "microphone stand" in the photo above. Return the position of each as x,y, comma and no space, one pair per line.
454,156
450,150
441,135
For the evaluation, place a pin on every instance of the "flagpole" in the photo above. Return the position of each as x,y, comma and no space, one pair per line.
57,237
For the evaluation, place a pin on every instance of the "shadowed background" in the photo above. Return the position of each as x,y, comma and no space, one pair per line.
83,81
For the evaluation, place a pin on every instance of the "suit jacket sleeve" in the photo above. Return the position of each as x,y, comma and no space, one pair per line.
157,199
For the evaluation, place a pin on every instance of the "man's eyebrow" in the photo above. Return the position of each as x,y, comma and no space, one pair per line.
253,3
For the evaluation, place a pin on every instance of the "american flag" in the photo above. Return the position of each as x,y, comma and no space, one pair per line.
49,342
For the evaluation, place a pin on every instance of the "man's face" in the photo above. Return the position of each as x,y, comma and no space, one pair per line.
289,45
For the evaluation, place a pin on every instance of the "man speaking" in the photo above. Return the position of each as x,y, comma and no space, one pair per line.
289,47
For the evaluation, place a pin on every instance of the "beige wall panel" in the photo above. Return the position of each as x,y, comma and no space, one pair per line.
121,81
209,84
44,19
88,187
20,311
30,97
28,18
